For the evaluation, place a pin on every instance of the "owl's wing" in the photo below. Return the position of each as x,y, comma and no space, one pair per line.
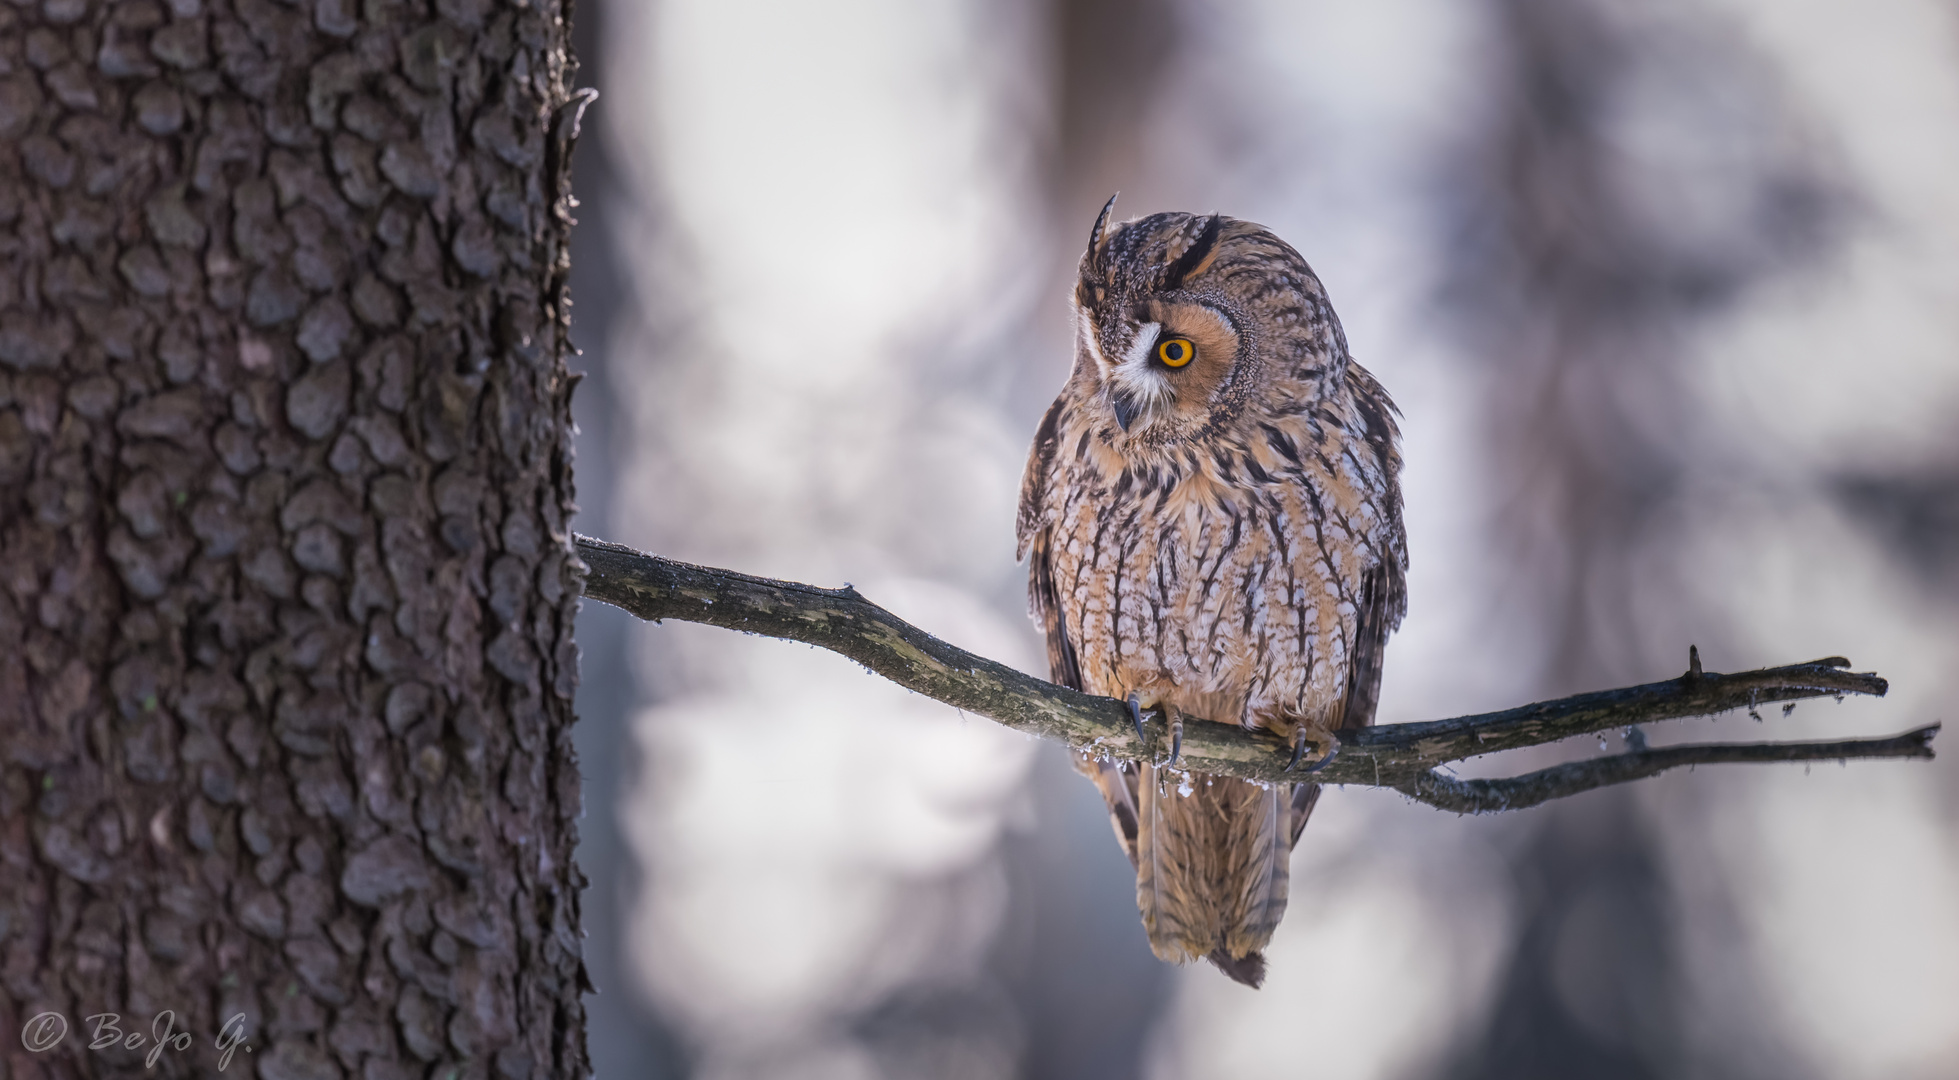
1379,612
1117,782
1044,604
1376,617
1033,517
1031,532
1384,587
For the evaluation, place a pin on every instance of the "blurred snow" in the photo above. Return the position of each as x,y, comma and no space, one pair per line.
832,190
842,315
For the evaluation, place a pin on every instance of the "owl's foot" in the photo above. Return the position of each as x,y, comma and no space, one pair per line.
1136,716
1171,712
1326,742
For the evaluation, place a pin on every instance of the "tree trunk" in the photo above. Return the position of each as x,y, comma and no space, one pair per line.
286,590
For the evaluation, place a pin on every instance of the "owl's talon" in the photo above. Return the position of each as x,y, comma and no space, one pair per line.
1176,732
1299,741
1136,717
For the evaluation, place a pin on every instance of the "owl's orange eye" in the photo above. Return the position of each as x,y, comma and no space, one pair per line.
1175,351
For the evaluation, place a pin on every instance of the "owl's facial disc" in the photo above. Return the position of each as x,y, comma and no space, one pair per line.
1176,355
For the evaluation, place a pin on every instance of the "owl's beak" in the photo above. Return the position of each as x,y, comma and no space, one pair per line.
1126,407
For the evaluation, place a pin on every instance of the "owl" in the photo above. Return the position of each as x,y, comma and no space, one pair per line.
1212,518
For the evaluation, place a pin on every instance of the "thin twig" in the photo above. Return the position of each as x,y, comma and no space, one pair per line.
1558,781
1696,693
1399,756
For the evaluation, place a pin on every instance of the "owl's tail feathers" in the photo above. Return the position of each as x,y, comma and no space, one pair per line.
1211,868
1248,969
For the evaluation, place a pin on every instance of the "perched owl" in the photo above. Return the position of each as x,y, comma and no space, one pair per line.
1212,511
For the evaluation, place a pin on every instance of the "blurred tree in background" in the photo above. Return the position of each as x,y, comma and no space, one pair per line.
1582,260
1659,289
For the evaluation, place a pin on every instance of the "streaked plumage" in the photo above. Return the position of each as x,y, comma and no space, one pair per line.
1220,534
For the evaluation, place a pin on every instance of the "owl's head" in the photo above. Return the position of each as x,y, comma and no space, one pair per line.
1185,321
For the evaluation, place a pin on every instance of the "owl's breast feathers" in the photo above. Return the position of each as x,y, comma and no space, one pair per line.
1249,575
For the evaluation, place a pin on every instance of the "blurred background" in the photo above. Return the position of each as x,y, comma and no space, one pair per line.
1668,293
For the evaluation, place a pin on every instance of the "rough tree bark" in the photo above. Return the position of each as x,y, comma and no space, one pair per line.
285,609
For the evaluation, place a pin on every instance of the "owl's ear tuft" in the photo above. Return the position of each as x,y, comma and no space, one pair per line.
1093,286
1095,253
1195,257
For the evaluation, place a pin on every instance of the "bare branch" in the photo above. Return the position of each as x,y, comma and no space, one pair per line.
1399,756
1517,792
1696,693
